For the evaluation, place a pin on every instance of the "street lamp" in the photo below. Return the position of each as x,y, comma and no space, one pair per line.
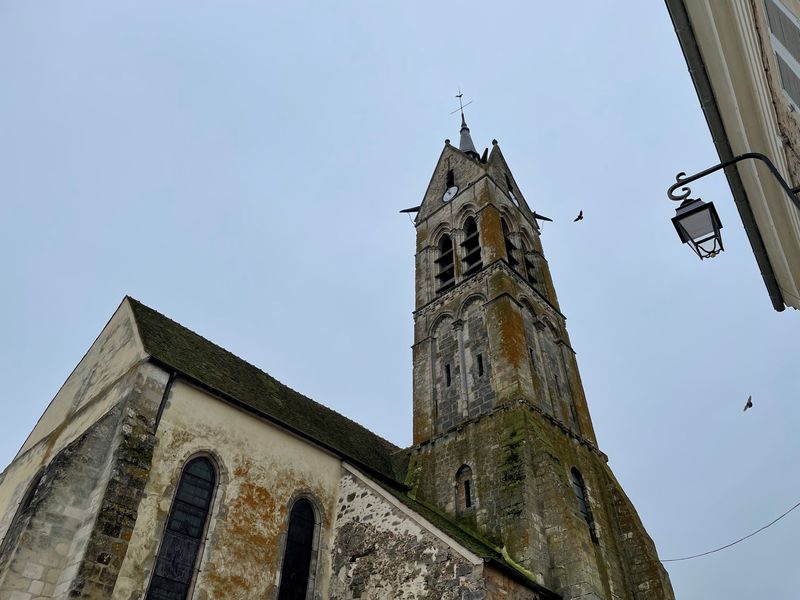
698,225
697,222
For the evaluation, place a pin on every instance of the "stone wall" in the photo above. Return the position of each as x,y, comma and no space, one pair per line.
71,538
521,460
382,550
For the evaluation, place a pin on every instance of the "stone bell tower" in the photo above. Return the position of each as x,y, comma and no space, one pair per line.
503,439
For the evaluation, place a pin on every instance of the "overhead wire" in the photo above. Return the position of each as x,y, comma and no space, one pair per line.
749,535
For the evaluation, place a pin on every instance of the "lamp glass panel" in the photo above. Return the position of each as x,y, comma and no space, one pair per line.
698,225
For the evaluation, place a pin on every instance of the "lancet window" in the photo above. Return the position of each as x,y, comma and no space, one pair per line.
296,569
465,494
178,555
579,488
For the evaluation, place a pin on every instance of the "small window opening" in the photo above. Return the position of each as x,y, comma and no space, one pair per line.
451,179
447,379
445,277
480,365
511,247
579,488
472,247
573,413
533,360
464,492
508,184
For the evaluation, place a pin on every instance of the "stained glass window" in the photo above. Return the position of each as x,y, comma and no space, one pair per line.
183,535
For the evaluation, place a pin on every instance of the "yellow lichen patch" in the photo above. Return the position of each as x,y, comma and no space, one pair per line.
512,333
247,541
492,235
177,440
421,426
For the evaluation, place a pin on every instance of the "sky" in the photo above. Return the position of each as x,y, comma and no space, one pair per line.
239,166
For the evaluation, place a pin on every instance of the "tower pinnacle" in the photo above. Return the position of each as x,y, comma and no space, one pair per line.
465,143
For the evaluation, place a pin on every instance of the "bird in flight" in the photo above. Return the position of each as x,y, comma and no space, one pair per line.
578,218
539,217
749,403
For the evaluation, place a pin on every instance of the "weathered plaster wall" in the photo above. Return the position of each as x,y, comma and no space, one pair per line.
382,550
70,539
262,469
115,351
15,480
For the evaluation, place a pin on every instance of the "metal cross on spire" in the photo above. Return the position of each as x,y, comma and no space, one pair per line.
460,105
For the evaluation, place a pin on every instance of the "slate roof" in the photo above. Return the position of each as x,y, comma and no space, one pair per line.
192,355
225,374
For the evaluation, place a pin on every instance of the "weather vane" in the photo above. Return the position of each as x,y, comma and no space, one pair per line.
460,105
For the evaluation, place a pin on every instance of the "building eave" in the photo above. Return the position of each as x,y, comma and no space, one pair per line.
711,111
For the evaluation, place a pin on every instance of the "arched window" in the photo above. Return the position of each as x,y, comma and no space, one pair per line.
465,494
177,558
297,556
445,276
472,247
511,247
579,487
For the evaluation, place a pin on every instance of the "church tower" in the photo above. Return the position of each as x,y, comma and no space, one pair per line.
503,438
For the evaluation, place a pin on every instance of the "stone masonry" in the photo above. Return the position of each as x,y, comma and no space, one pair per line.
522,427
70,539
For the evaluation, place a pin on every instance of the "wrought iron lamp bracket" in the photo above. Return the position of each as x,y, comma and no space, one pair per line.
681,180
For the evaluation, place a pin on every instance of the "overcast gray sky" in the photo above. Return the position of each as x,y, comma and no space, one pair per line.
239,166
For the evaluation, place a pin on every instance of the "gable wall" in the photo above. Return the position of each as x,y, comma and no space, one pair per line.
115,351
68,540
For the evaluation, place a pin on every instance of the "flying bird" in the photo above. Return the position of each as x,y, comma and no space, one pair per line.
539,217
578,218
749,403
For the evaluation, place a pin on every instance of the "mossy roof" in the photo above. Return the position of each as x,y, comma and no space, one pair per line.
213,367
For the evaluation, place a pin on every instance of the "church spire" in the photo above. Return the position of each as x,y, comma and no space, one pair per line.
465,144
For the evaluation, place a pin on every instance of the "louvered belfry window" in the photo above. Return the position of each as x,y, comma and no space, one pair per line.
297,557
472,247
785,38
511,247
446,276
183,536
